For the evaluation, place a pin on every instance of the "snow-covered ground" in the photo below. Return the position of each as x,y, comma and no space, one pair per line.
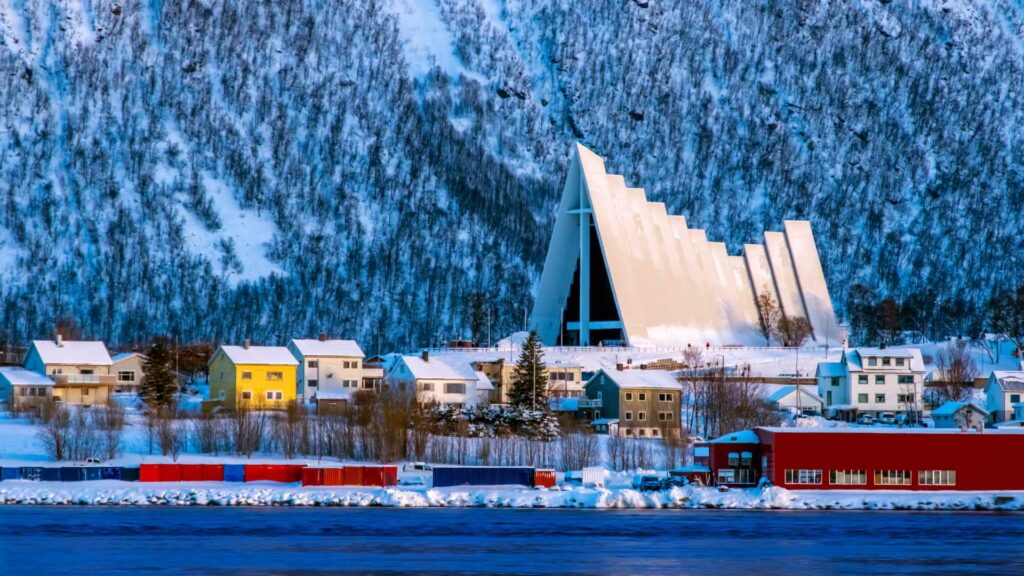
110,492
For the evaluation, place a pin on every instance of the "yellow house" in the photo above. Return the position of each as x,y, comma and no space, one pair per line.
256,376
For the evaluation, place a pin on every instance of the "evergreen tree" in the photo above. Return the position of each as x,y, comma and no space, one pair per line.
158,381
529,379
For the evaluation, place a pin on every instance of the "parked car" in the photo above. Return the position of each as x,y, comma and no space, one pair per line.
887,418
674,482
646,483
865,420
812,413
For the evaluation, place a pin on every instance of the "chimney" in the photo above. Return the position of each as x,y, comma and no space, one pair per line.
60,341
425,355
322,337
245,344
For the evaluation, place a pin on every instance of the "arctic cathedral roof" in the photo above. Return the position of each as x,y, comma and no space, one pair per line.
669,285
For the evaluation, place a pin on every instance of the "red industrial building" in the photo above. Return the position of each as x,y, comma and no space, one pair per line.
866,459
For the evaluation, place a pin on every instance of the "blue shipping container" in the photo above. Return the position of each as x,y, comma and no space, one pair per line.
110,473
8,473
72,474
234,472
31,473
93,473
130,474
50,475
482,476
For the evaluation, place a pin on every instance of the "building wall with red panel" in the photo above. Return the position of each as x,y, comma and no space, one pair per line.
986,461
718,461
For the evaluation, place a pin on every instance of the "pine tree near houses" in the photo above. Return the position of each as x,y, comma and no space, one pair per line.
158,382
529,379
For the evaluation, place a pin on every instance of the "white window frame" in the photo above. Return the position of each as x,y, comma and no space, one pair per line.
893,478
936,477
121,378
803,476
848,477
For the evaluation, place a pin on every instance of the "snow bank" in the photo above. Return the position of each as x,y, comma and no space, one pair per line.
117,493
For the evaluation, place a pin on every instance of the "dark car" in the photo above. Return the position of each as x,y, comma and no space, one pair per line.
647,483
674,482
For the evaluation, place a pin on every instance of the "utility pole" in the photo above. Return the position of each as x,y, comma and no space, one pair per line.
534,377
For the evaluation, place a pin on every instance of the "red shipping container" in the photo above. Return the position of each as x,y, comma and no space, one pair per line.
353,476
313,476
544,478
169,472
333,476
390,475
380,476
149,472
201,472
287,473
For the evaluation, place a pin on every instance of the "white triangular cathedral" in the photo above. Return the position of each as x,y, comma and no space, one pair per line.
622,268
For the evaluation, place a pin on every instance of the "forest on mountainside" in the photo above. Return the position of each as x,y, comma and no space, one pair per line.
217,171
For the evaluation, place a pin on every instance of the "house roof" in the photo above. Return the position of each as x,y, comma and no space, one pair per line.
877,430
340,348
600,421
16,376
270,355
482,381
124,356
81,352
643,379
437,368
854,357
741,437
951,408
830,369
1009,380
784,391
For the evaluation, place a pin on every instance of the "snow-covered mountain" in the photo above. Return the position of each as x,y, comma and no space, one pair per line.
388,170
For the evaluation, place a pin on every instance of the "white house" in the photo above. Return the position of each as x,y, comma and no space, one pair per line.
871,381
442,380
957,414
80,370
331,368
1004,389
788,397
127,368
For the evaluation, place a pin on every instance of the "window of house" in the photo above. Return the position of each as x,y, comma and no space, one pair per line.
835,380
642,397
642,432
746,458
454,388
900,361
905,379
313,364
734,459
862,398
664,416
629,415
828,397
848,477
87,372
57,371
570,377
270,395
905,398
552,375
312,383
862,379
726,476
85,391
222,394
879,398
245,375
803,476
641,415
892,477
246,395
1014,398
936,477
872,361
654,432
666,397
126,376
427,386
629,396
24,391
886,361
275,376
879,378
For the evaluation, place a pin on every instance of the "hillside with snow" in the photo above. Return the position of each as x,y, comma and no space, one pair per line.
388,170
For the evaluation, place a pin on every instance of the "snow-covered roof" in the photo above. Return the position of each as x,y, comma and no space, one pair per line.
482,381
438,368
1009,380
82,353
328,348
831,369
559,364
1011,424
784,391
951,408
854,357
271,355
16,376
123,356
877,430
601,421
643,379
741,437
692,468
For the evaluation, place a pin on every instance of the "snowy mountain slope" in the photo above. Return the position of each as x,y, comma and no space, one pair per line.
388,170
